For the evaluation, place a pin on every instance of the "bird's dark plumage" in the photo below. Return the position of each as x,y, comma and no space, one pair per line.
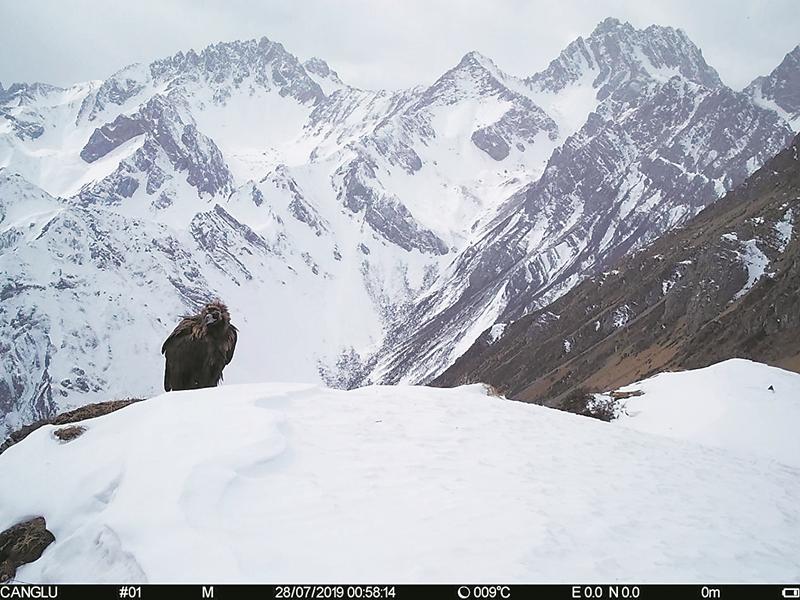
199,349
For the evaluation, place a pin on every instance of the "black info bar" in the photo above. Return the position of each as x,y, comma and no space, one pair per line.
401,592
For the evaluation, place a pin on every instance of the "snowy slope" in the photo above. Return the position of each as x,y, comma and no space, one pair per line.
727,405
396,484
90,294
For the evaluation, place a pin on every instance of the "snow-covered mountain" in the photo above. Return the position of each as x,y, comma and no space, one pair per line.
780,90
660,138
407,484
356,235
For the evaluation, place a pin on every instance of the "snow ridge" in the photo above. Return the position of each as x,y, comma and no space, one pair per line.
501,491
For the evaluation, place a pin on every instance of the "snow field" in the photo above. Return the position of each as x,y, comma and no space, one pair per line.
290,482
727,405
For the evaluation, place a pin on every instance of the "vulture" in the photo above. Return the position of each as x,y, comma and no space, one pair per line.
199,349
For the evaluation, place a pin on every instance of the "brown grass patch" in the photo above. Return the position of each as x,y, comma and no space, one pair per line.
67,434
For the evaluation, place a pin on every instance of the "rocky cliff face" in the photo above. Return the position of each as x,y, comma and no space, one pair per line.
171,146
780,90
722,286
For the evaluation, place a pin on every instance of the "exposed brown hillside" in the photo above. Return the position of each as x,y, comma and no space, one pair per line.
686,301
90,411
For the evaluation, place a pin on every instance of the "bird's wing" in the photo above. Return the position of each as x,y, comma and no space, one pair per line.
233,336
183,329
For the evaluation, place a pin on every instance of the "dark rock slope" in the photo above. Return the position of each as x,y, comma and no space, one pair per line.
21,544
725,285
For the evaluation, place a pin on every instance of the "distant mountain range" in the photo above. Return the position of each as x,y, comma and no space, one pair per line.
358,236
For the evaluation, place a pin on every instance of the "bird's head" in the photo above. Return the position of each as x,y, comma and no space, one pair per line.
215,313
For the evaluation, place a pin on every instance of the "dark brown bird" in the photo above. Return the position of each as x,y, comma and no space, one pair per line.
199,349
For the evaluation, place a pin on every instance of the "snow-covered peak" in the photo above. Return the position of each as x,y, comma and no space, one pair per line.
475,59
118,89
474,76
225,64
317,66
20,94
20,201
29,103
619,65
780,90
616,52
610,24
321,72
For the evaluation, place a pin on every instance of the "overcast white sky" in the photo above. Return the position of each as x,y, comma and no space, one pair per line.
375,43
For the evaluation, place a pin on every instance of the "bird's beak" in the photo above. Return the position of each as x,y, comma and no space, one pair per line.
210,319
